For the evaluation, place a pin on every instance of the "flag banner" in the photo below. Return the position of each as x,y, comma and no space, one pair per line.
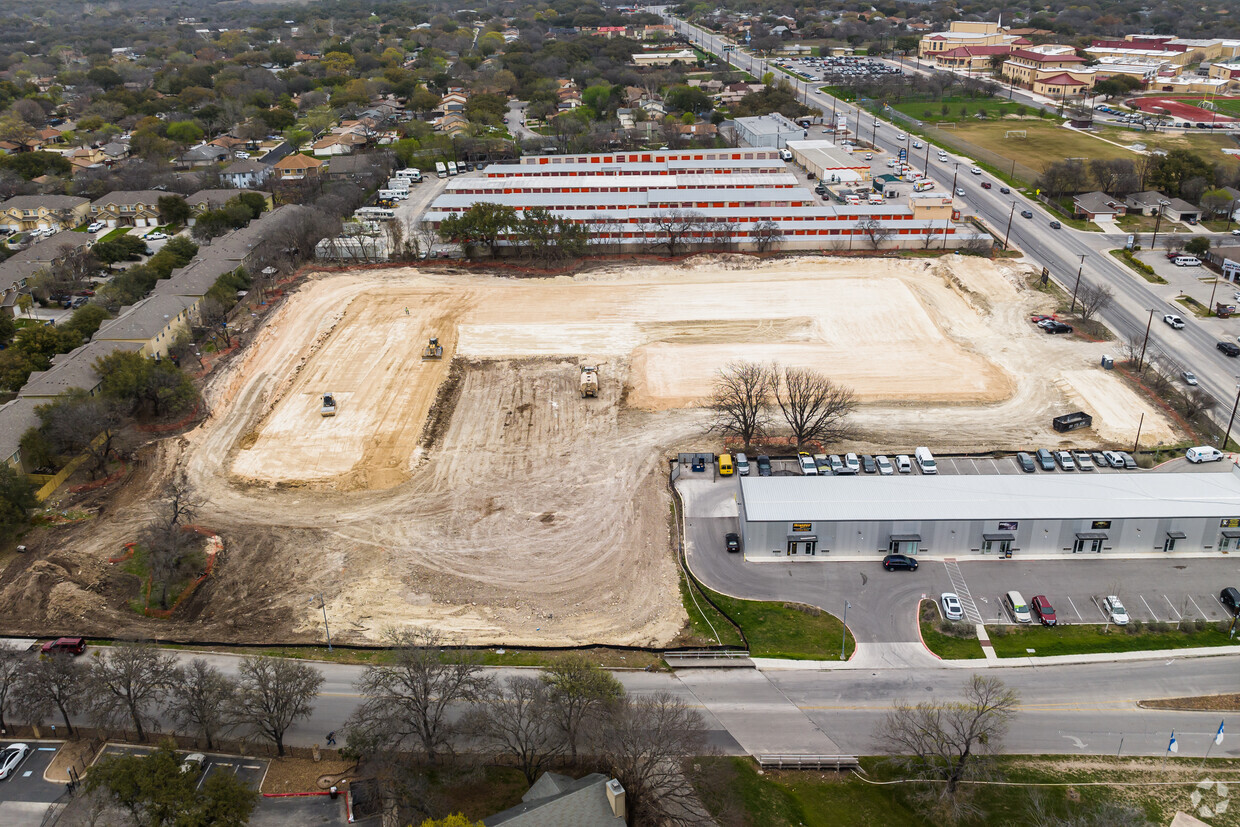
1174,745
1218,736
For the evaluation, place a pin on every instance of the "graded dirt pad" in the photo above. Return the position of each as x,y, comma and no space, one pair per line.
526,515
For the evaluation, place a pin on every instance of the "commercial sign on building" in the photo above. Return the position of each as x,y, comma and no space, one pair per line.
799,527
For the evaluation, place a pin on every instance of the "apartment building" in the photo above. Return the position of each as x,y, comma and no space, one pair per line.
136,208
42,212
1037,64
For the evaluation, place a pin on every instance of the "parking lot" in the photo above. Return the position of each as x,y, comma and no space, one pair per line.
249,770
951,466
837,69
24,798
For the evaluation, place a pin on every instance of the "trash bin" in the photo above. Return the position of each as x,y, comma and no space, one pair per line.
333,793
1007,554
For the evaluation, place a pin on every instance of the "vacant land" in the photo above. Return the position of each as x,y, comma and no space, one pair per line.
480,494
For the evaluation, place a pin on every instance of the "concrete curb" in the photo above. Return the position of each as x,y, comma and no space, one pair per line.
777,664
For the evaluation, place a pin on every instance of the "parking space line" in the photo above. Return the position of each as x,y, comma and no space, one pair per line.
1172,605
1195,606
962,591
1075,609
1147,607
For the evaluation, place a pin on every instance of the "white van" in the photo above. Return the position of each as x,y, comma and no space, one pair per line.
742,465
1017,607
1203,453
903,464
1187,261
785,154
925,461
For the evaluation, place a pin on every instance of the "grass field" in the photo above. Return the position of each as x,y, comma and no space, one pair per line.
948,647
736,794
786,630
960,108
115,234
1043,144
1089,638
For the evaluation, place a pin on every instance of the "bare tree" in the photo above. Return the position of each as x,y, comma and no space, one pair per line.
1093,299
674,230
407,700
203,700
274,692
815,408
876,231
127,681
51,684
12,664
766,235
579,691
740,401
646,742
941,740
1196,402
1174,242
213,321
514,720
169,543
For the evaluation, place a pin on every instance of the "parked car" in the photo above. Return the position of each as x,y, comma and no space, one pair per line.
1230,598
1017,607
1060,327
155,236
1100,459
1127,458
824,466
70,645
808,468
1203,453
764,465
193,763
1025,462
1189,377
1174,320
1064,458
1043,610
904,464
1046,460
1083,461
95,226
732,542
1114,459
11,758
868,465
851,463
884,465
1229,349
837,464
1115,610
952,610
899,561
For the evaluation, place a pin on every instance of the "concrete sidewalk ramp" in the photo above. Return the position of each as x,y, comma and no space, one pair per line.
756,713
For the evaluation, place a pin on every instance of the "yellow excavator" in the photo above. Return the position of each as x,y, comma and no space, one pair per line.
434,350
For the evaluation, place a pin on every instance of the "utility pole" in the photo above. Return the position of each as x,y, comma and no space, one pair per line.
1078,283
1210,308
957,172
1008,231
1232,418
1137,441
1141,358
1157,221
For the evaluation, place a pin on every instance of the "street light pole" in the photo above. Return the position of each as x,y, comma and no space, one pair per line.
1232,418
957,172
1008,231
1141,358
323,603
1079,270
847,606
1157,223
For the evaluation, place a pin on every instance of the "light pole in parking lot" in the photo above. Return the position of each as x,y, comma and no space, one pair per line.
844,635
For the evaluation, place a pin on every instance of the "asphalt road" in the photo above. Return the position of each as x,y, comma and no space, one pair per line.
1063,252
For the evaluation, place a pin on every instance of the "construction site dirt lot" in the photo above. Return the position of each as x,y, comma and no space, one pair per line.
481,495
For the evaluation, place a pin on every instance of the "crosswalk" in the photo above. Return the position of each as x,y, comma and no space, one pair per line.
961,588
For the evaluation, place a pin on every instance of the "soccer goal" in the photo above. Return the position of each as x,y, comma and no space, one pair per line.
946,124
1016,133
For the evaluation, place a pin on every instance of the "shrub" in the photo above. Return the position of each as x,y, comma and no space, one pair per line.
1200,624
1134,627
999,631
1185,625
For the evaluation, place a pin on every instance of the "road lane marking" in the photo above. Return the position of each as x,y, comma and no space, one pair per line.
1075,609
1195,606
1172,605
1147,607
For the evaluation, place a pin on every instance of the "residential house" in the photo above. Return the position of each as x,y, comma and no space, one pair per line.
1091,205
16,418
338,144
1177,209
554,799
360,165
1180,210
128,209
1145,203
452,124
244,175
297,168
454,101
204,155
154,324
654,109
74,370
204,200
701,129
38,212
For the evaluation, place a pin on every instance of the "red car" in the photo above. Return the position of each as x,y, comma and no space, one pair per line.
985,185
1043,610
71,645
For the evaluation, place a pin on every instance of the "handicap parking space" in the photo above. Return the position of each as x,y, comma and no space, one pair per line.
1151,590
27,783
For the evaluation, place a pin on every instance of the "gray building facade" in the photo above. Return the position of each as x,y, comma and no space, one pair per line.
1119,514
773,130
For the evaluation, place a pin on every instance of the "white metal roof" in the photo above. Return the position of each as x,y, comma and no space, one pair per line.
1131,494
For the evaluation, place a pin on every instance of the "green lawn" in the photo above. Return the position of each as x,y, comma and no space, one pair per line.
735,793
1090,638
786,630
949,647
1139,267
117,233
705,622
932,111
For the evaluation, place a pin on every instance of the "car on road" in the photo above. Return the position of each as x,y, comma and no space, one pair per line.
1043,610
884,466
852,463
959,190
155,236
1115,610
1004,190
1058,327
68,645
986,185
1046,460
976,170
1064,458
952,610
868,465
1174,320
899,561
1230,598
1083,461
764,465
11,758
1025,462
916,144
901,137
1189,377
808,468
1055,225
1026,214
732,542
1203,453
1229,349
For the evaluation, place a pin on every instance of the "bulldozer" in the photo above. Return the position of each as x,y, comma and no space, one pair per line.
329,405
589,381
434,350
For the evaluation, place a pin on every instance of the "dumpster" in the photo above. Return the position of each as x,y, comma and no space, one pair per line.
1072,421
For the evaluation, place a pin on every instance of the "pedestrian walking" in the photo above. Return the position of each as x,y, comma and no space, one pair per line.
331,738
